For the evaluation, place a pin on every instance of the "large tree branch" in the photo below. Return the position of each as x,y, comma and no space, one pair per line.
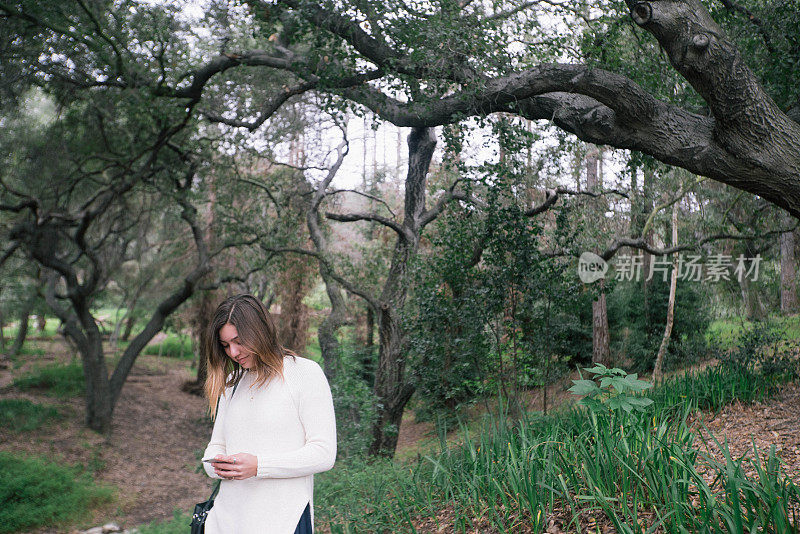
748,123
352,217
641,243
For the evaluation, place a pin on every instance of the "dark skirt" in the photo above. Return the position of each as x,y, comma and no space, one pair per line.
304,525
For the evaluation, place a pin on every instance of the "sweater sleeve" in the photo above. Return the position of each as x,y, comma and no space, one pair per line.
315,407
217,444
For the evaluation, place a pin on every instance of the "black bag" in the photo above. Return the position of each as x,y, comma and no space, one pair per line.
201,510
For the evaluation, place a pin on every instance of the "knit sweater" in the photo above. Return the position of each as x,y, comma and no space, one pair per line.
289,425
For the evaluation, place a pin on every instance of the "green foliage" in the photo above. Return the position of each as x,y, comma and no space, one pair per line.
645,469
173,346
767,348
179,524
59,380
351,497
35,492
616,391
353,402
715,387
638,321
22,415
490,311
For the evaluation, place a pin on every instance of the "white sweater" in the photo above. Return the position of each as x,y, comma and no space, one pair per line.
290,426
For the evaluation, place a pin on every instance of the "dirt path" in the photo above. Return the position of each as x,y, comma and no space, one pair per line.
151,453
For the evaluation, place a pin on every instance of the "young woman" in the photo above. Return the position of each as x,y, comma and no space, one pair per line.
272,433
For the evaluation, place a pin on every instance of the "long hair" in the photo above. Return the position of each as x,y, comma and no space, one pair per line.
257,335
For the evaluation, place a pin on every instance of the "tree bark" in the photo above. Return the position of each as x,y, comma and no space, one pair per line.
370,337
294,284
392,389
202,315
754,309
22,332
328,329
673,287
601,351
600,334
788,274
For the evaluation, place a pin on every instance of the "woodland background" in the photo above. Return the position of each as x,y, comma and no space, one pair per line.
409,186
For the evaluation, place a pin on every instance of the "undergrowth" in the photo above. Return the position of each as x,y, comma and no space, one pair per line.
640,470
22,415
36,492
57,379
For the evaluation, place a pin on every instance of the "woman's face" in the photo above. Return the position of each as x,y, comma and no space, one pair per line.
229,338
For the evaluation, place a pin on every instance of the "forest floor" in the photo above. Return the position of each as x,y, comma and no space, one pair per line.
152,453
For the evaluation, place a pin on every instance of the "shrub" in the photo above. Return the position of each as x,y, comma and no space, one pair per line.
60,380
644,323
35,492
354,403
21,415
766,348
171,347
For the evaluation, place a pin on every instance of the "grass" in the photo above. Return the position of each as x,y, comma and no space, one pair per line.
173,346
22,415
35,492
59,380
625,470
179,524
727,332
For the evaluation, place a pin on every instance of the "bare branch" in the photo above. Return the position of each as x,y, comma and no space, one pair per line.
551,195
349,286
352,217
367,195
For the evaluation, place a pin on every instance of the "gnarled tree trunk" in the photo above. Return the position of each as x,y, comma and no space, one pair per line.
788,273
392,389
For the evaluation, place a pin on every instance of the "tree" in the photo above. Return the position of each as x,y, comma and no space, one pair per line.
744,139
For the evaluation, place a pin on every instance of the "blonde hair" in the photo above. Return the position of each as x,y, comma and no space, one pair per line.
257,335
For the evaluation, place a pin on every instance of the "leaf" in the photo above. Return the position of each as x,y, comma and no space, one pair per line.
584,387
598,369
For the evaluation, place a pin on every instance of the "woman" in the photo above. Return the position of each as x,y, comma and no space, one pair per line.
272,433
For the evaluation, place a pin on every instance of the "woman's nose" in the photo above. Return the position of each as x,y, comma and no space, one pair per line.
234,350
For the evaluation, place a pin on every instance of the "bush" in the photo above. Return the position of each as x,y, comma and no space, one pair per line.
60,380
766,348
171,347
35,492
354,403
641,328
21,415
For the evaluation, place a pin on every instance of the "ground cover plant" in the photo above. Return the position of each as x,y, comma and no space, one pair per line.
57,379
639,469
22,415
34,492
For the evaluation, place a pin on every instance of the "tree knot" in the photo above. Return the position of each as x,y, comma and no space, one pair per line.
700,41
642,13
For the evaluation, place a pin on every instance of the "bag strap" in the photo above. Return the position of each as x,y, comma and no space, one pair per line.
219,481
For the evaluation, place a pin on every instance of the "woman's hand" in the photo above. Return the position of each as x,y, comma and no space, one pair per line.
236,466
